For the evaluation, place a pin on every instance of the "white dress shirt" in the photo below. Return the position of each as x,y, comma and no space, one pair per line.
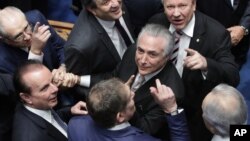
33,56
117,40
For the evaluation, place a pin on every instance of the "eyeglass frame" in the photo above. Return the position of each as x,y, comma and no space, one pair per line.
21,36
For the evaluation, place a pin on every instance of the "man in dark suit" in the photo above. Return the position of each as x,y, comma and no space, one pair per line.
35,118
203,60
95,45
7,104
29,36
235,16
110,105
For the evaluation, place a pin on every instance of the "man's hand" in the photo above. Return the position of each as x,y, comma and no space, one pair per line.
195,60
58,75
164,96
40,36
130,80
79,108
237,33
70,80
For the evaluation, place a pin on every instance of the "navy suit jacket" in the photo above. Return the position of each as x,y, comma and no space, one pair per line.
213,42
83,128
89,50
11,57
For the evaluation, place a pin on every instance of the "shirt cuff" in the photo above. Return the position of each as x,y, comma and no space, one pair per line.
35,56
85,80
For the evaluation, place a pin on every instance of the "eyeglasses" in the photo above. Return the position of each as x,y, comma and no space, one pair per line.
20,37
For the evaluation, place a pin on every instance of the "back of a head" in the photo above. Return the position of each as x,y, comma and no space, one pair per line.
156,30
105,100
222,107
8,16
89,3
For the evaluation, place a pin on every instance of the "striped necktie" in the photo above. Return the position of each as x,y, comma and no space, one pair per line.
177,36
138,83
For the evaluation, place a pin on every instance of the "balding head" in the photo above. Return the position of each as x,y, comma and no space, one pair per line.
11,19
224,106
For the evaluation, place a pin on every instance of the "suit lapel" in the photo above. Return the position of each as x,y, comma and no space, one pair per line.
228,2
44,125
104,37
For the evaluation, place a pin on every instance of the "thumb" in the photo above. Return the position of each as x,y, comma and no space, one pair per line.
190,52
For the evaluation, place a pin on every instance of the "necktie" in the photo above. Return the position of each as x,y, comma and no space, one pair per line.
123,33
177,36
138,83
59,121
235,4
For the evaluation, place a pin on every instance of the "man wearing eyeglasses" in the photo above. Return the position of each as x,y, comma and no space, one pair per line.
27,36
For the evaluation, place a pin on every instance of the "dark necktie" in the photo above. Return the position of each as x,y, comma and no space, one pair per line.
59,120
235,4
123,33
177,36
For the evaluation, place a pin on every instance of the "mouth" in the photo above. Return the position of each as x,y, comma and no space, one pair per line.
177,22
116,10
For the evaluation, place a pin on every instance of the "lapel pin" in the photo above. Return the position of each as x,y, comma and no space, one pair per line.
198,40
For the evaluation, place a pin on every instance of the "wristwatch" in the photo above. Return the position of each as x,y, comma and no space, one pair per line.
245,30
175,112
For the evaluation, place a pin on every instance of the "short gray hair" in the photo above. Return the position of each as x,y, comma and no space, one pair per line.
157,30
227,107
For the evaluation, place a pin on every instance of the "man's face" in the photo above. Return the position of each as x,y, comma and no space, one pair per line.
43,93
179,12
130,108
108,10
150,56
19,31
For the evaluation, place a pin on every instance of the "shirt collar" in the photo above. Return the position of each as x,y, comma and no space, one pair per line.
149,76
120,126
107,25
219,138
188,30
45,114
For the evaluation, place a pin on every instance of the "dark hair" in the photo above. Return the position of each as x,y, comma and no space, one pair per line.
19,84
105,100
89,3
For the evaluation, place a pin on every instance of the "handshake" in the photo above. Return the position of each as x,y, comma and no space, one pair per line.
63,79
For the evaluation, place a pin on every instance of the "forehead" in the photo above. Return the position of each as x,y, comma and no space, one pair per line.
149,42
38,77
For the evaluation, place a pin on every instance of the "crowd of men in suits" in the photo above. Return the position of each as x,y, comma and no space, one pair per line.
172,82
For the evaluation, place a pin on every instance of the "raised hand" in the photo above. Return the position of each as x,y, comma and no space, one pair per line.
195,60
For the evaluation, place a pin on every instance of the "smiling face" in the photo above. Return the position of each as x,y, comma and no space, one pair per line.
179,12
109,10
150,55
43,94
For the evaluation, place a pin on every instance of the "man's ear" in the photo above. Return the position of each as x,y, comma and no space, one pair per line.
120,117
26,98
91,10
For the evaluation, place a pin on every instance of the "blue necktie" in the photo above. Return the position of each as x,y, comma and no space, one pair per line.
59,120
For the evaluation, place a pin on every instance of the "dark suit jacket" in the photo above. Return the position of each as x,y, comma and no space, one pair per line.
222,11
149,116
89,50
11,57
141,10
83,128
7,104
28,126
212,41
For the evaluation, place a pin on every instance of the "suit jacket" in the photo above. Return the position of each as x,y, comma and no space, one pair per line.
89,50
149,115
7,104
222,11
83,128
140,16
212,41
11,57
28,126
